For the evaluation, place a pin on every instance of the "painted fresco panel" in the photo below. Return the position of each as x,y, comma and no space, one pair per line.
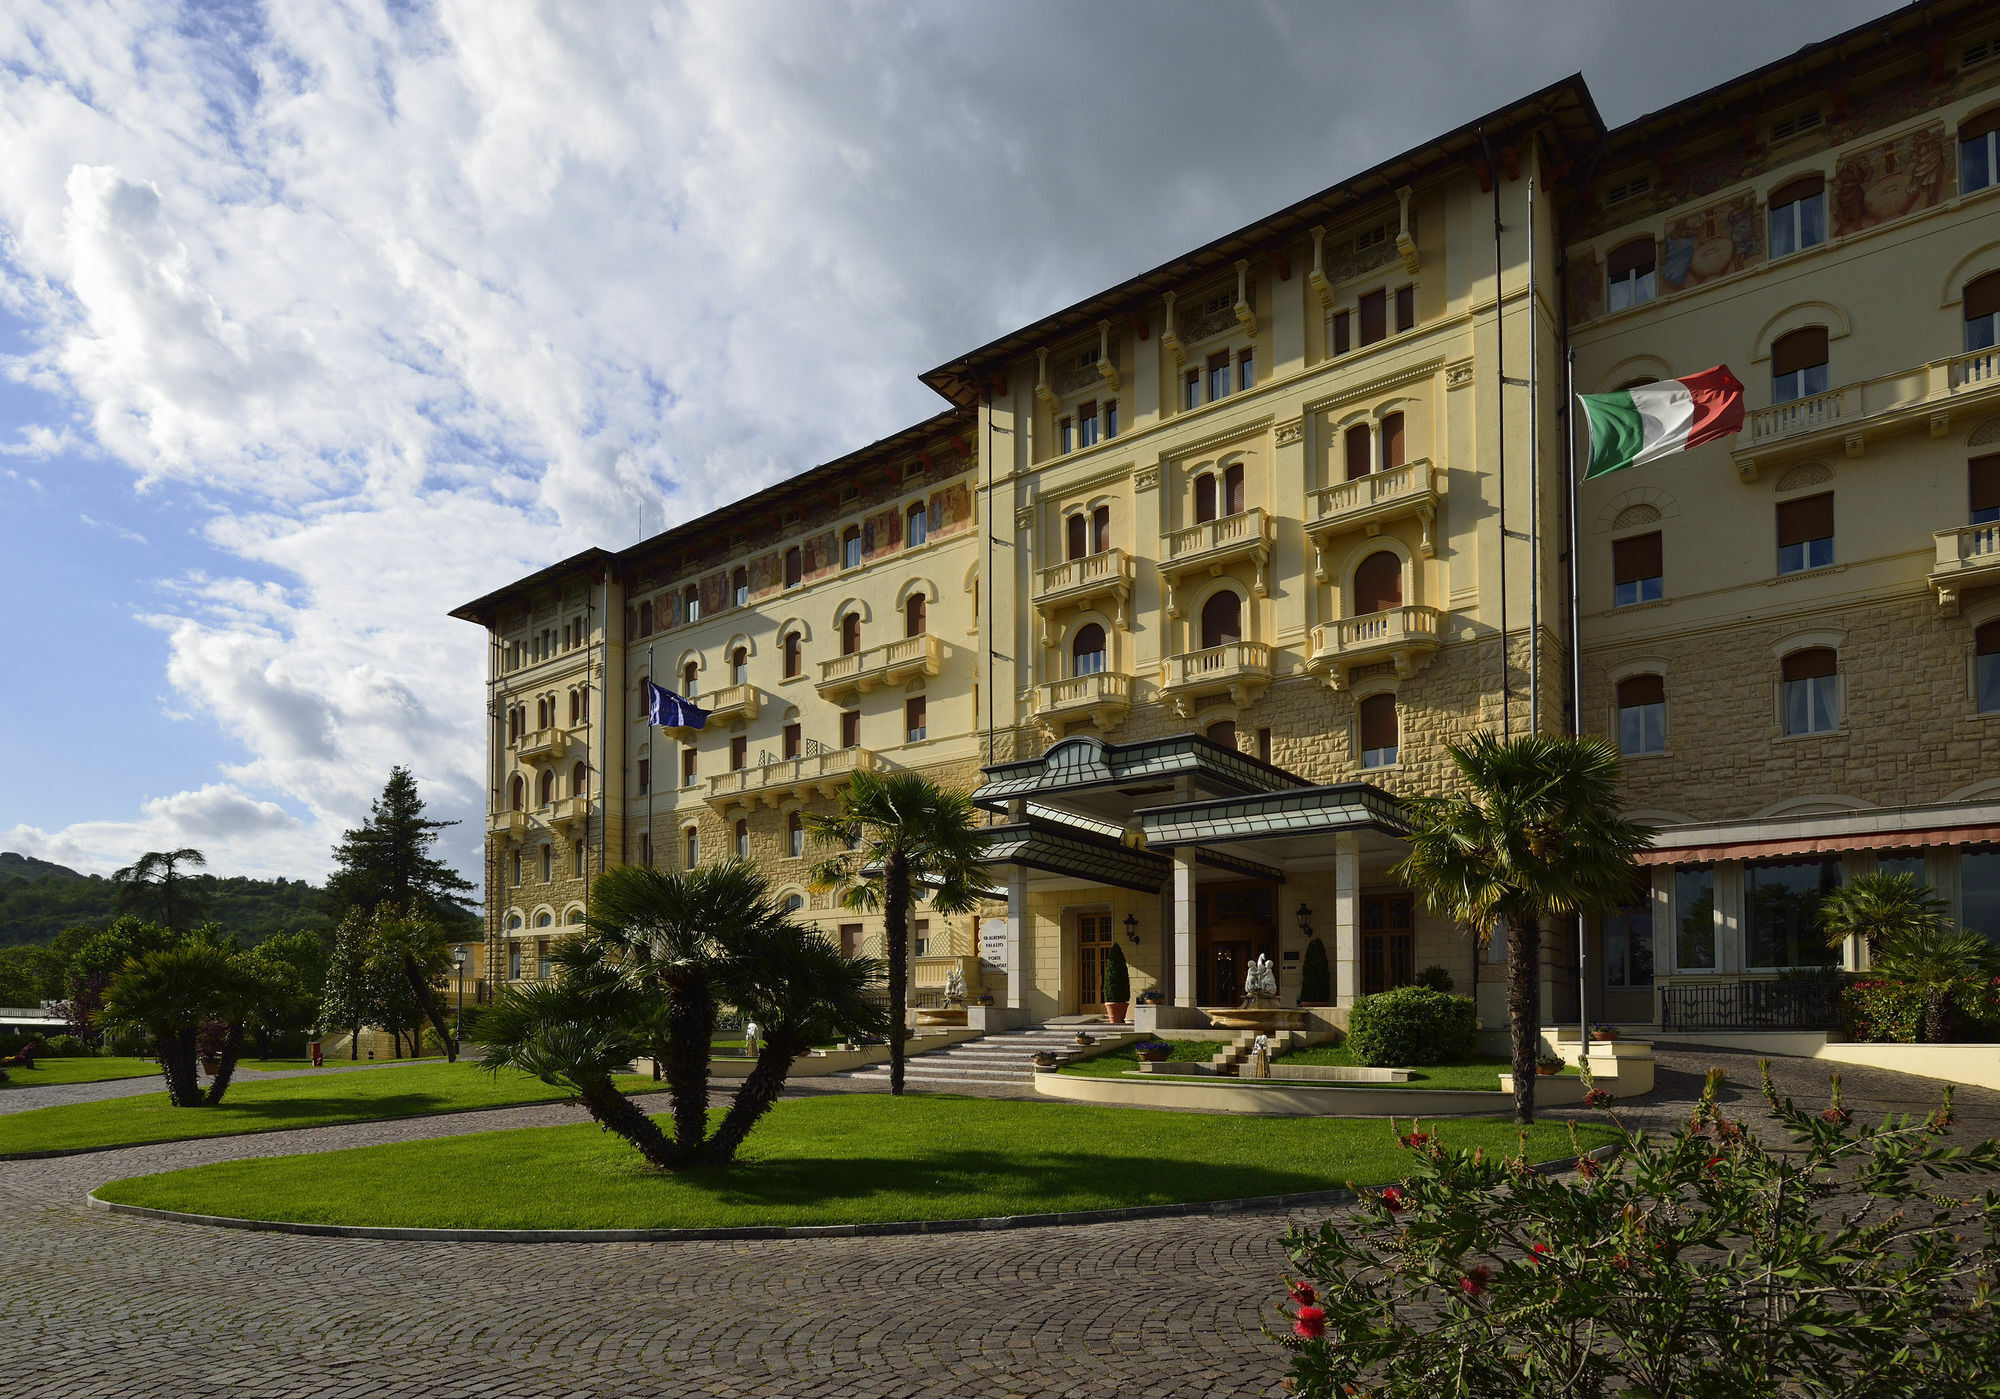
714,594
821,553
1713,242
950,509
1885,182
767,574
881,533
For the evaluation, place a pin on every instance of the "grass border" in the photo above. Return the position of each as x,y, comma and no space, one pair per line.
1183,1209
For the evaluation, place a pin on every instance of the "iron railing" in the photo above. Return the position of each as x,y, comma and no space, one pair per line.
1803,1003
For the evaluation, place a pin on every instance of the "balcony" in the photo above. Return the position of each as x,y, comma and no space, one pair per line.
1408,636
1854,414
1967,557
1243,668
733,702
821,773
1078,582
1103,698
541,746
880,665
1214,545
1369,502
567,812
507,823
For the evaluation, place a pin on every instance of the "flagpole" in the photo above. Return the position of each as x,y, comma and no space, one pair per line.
1534,483
1575,674
652,768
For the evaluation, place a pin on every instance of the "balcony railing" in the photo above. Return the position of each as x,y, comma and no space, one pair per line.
824,772
1241,667
1927,394
1213,543
567,811
507,823
733,702
1105,697
1078,580
1405,635
541,745
881,665
1368,502
1809,1003
1967,557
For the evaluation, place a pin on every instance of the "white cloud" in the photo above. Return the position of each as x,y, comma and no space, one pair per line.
414,301
239,833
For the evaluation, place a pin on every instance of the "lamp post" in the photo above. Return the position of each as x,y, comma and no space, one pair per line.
458,1025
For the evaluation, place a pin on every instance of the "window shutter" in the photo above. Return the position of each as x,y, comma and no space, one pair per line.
1972,128
1392,441
1341,342
1378,722
1982,296
1986,641
1635,558
1636,256
1406,307
1800,520
1075,528
1641,689
1357,451
1811,665
1792,191
1985,481
1800,350
1378,584
1374,317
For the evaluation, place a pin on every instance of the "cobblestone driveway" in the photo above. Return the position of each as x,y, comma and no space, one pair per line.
97,1304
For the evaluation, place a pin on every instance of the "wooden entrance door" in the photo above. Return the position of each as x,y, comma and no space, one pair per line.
1388,943
1226,964
1093,941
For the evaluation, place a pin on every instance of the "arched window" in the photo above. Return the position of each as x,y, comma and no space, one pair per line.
1232,490
579,780
1359,451
1392,441
546,787
1986,667
1221,619
739,666
1982,312
645,700
693,847
794,903
915,615
518,793
576,914
690,680
739,587
646,618
691,604
795,567
916,525
1378,584
795,835
1377,718
1204,498
794,655
1798,364
850,633
513,922
1086,650
1811,682
1100,530
1076,534
850,547
742,840
1223,731
1642,714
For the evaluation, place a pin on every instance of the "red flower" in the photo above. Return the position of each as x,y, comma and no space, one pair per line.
1839,1117
1392,1200
1474,1283
1597,1098
1304,1294
1588,1167
1541,1252
1310,1323
1621,1263
1416,1139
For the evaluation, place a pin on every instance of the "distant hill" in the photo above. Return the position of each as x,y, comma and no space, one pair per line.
39,899
13,866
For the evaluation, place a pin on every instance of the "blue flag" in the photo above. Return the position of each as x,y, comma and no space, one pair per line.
669,711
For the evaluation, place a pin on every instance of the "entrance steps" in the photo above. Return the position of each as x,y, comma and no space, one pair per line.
1231,1060
1002,1059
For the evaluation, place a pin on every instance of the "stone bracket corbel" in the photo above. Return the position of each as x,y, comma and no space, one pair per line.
1245,317
1042,389
1316,279
1107,368
1170,339
1406,246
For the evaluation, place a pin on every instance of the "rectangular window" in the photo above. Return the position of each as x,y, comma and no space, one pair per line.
1392,441
850,939
1086,425
1979,891
913,719
850,728
1065,437
1635,569
1805,533
1642,715
1263,745
1779,901
1694,919
851,548
544,967
740,591
1110,418
1628,948
1246,370
793,742
1406,308
1191,389
514,962
687,767
1910,864
1342,333
1983,486
1628,274
1811,691
1979,152
1374,317
645,776
1798,365
576,860
920,938
739,752
1798,215
1218,377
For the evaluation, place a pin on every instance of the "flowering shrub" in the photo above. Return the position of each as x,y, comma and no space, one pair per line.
1145,1047
1702,1265
1883,1010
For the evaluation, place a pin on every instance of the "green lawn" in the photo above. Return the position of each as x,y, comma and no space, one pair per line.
834,1160
82,1070
1472,1074
272,1105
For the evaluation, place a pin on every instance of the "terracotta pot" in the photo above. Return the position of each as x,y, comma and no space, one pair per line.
1154,1056
1547,1070
1045,1061
1604,1036
1114,1011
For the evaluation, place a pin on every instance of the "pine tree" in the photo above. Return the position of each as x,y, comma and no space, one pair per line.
388,860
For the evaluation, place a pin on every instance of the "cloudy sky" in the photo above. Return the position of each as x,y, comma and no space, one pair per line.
320,318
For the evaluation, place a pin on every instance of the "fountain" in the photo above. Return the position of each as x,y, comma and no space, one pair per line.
1260,1009
952,1012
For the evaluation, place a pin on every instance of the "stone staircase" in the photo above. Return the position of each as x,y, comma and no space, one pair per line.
1003,1059
1232,1059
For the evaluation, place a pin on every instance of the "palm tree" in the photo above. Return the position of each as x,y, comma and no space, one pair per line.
169,995
1939,961
153,884
1535,835
669,932
1878,907
415,947
891,833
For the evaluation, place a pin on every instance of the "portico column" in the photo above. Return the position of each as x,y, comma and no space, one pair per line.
1346,917
1020,939
1184,979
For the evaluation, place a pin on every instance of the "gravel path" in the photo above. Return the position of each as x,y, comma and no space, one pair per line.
100,1304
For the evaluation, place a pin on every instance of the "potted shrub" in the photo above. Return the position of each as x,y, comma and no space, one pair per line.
986,998
1315,976
1547,1065
1084,1039
1045,1059
1606,1033
1152,996
1154,1051
1117,986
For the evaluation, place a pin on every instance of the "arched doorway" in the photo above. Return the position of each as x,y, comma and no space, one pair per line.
1221,619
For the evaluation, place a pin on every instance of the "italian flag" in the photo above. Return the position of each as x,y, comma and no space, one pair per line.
1650,421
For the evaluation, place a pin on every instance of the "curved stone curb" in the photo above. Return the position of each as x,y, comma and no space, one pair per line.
1251,1204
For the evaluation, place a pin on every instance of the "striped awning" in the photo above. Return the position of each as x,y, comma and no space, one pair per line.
1829,844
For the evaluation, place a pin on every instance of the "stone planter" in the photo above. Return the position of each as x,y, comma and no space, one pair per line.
1547,1070
1046,1061
1604,1036
1153,1056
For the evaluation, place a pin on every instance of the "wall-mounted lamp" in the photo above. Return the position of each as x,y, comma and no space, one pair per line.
1305,927
1131,929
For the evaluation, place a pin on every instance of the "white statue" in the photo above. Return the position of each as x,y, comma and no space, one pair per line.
1260,1057
1260,981
954,988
